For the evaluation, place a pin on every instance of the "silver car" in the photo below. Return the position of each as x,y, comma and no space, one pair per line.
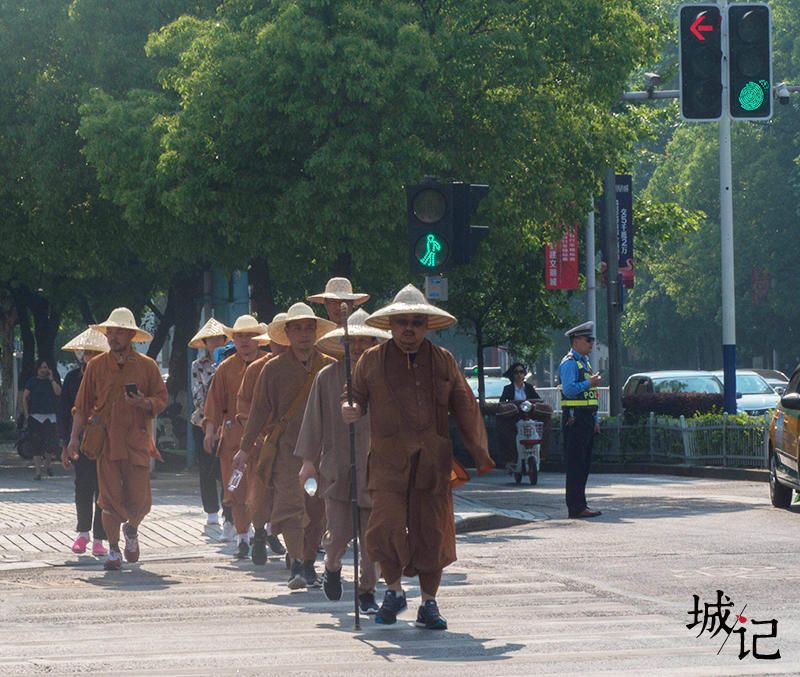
675,381
754,395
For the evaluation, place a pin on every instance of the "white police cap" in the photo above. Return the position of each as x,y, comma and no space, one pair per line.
585,329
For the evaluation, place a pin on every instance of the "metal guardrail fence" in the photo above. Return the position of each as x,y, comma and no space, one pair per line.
669,440
553,397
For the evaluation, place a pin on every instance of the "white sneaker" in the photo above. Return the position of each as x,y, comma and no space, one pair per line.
213,518
228,531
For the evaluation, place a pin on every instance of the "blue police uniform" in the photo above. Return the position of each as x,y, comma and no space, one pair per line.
578,417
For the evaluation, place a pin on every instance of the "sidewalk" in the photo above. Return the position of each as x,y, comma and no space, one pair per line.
37,519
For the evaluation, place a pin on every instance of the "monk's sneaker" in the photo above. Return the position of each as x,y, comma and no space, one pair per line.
367,603
310,574
259,551
131,542
297,579
428,617
113,559
392,605
275,544
332,584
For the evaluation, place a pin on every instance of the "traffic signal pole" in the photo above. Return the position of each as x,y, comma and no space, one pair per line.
612,293
726,229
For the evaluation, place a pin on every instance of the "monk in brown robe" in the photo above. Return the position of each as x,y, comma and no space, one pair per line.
219,420
324,446
259,496
131,385
281,392
409,385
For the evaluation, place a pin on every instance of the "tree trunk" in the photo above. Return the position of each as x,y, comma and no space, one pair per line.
262,297
165,322
343,266
186,317
25,334
8,320
46,321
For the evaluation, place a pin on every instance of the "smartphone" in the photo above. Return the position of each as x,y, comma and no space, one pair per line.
131,388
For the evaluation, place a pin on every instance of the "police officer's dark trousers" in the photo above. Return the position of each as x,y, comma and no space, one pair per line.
578,433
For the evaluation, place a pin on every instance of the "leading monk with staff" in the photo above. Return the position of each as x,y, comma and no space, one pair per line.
409,385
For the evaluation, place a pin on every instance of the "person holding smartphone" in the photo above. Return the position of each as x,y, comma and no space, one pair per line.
40,404
579,422
130,385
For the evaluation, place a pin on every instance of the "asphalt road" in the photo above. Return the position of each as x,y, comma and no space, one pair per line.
608,596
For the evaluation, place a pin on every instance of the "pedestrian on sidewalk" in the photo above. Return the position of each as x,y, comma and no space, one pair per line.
279,400
210,337
409,385
40,404
324,446
579,422
122,391
220,424
86,346
259,496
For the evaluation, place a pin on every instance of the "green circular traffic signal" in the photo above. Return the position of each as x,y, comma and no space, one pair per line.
751,96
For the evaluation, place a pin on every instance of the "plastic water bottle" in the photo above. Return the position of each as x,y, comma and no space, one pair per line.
236,477
310,486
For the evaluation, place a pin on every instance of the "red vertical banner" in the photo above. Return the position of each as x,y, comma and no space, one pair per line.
561,261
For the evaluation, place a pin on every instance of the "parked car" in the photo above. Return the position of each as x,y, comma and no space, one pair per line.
777,379
783,444
754,395
672,382
494,387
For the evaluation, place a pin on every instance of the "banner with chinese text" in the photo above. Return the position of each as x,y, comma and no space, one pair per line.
561,262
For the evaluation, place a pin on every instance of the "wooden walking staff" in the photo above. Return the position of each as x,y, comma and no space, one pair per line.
353,485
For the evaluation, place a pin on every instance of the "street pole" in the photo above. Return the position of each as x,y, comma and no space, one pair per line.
612,292
726,230
591,283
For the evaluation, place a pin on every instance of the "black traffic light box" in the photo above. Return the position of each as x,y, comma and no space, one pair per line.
440,236
750,61
430,226
700,51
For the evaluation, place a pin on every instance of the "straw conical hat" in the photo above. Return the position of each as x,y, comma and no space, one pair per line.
263,338
245,324
211,328
91,339
299,311
331,343
339,288
122,318
270,333
411,301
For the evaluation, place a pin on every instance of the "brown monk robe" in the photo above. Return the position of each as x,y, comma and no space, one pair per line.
219,422
220,412
408,385
259,496
281,380
123,467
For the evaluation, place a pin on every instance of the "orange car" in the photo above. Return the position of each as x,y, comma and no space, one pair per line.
784,442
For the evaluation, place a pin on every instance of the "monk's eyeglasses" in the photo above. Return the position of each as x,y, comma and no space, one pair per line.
416,323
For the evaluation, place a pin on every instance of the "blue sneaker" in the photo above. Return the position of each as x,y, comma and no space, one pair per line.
392,605
428,617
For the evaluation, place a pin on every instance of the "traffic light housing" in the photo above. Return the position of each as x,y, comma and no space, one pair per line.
467,237
700,52
430,226
750,61
440,235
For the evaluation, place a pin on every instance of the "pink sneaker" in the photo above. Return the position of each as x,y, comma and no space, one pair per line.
98,550
80,544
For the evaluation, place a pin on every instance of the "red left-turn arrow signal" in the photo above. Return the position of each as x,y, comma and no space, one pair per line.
698,26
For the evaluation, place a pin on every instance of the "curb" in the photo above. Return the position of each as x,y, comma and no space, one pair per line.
682,470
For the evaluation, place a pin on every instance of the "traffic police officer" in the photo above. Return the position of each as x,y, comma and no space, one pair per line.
579,422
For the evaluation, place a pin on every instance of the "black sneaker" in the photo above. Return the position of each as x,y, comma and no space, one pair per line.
275,545
392,605
310,574
242,550
296,579
367,603
259,552
332,584
428,617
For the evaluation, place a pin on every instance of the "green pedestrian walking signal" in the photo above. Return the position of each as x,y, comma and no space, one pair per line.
431,251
